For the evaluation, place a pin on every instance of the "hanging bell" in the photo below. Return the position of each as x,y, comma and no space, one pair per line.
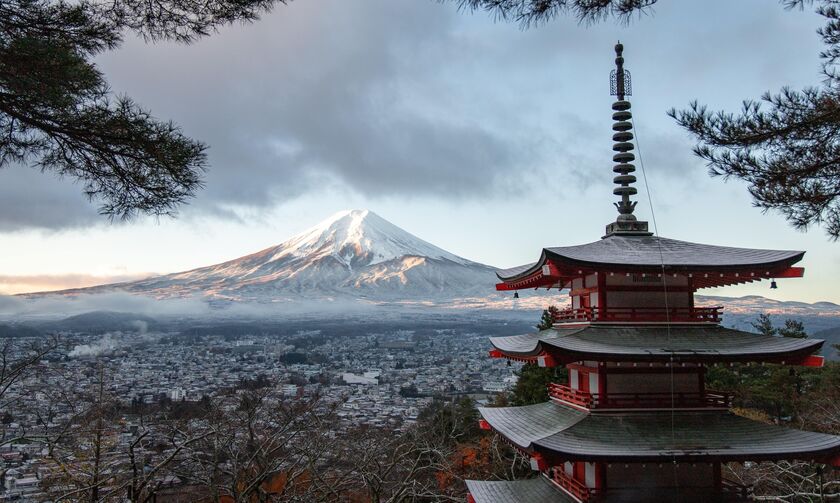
773,285
515,295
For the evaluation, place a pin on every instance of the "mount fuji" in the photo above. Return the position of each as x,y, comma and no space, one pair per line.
356,255
353,254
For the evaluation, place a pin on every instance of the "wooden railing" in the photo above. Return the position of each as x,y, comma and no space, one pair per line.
571,314
573,486
641,314
566,394
677,400
732,491
728,492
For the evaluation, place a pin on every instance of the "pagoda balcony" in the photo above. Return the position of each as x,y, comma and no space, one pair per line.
733,491
640,315
727,492
677,400
573,486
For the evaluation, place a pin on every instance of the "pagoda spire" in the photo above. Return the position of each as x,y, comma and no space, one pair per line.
626,223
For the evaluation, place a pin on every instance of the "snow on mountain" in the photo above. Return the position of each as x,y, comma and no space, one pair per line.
352,254
740,312
360,237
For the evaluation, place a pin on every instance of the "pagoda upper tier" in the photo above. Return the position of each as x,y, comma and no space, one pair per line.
704,265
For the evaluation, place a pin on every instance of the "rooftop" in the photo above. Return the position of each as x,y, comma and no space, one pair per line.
570,434
623,253
682,343
536,490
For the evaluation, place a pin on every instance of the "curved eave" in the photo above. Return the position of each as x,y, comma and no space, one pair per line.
565,434
687,437
553,275
536,490
775,265
522,426
722,265
655,343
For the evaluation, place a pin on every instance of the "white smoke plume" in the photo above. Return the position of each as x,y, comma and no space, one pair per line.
111,341
142,326
107,344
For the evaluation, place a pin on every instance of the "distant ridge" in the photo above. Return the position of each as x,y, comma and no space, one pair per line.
758,304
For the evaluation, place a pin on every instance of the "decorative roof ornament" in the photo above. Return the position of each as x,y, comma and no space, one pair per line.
620,86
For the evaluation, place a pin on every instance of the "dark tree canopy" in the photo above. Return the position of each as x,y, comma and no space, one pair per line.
547,318
58,114
528,12
792,328
785,145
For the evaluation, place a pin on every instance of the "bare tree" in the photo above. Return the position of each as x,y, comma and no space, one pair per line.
93,456
788,481
258,446
800,481
428,461
17,363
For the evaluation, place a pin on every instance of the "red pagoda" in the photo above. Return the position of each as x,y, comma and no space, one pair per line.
635,422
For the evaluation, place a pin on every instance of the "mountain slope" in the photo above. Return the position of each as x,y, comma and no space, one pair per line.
831,348
352,254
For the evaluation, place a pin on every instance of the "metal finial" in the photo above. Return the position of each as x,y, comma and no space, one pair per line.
626,222
620,78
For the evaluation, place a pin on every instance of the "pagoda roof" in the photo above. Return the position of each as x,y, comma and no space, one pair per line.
523,425
653,436
682,343
536,490
651,253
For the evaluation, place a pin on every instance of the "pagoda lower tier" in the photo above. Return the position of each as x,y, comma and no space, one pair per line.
640,456
635,423
537,490
559,433
559,486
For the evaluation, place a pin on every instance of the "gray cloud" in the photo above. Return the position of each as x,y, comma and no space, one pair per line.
327,93
412,98
29,198
315,94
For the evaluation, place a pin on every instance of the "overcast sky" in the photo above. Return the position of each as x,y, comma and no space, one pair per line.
482,138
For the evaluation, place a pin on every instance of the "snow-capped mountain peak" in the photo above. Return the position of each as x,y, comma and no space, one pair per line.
360,238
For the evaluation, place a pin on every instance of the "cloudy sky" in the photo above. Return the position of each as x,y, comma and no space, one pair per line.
485,139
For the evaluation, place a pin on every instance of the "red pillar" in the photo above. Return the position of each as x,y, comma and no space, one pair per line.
602,295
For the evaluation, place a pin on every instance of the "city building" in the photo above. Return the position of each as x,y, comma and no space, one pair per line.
290,390
366,379
636,422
